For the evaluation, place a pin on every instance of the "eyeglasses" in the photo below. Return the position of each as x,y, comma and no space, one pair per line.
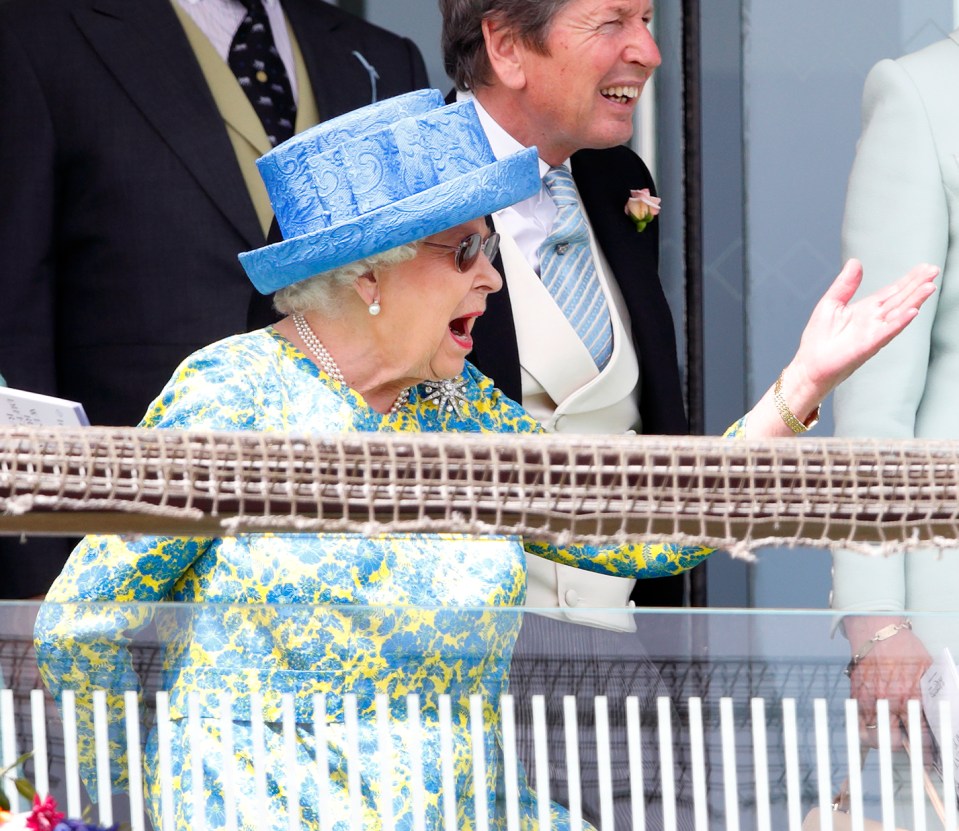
468,251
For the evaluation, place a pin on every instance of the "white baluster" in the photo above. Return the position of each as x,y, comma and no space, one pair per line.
131,712
823,771
510,767
604,765
478,738
198,795
571,728
914,733
258,747
945,739
886,790
101,743
854,755
791,748
352,724
415,728
8,749
730,780
290,760
385,754
761,765
41,767
697,742
664,714
448,778
541,763
71,759
228,756
321,739
164,754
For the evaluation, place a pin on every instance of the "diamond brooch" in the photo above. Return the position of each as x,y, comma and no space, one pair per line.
448,394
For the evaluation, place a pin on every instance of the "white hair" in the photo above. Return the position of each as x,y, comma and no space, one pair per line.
326,291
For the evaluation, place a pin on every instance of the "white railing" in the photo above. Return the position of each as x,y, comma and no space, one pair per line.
756,739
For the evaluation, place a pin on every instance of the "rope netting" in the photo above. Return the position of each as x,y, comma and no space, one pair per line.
733,494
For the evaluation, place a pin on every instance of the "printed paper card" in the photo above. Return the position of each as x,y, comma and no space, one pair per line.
19,408
941,683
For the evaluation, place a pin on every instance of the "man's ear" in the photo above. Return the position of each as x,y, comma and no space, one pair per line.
505,52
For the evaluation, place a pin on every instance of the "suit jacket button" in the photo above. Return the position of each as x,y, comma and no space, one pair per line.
571,597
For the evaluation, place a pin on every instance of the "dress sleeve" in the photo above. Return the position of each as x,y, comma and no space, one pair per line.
896,215
91,615
106,591
896,164
632,560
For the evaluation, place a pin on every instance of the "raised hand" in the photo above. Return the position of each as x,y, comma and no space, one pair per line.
839,337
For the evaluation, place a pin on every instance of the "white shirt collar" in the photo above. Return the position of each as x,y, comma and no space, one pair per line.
501,142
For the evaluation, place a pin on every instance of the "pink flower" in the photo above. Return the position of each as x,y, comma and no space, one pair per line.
641,207
44,815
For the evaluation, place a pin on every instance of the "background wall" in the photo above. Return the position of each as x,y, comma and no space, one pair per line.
782,86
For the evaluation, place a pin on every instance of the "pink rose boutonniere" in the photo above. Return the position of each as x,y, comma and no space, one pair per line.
642,208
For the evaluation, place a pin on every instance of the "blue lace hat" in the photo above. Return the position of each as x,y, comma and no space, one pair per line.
381,176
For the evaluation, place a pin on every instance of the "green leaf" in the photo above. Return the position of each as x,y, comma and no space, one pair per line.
25,788
5,771
4,802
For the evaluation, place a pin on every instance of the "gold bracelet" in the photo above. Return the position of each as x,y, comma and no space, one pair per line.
882,635
787,415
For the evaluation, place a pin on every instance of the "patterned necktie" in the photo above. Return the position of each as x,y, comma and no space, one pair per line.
260,71
568,271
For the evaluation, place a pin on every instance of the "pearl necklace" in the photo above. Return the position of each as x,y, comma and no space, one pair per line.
328,365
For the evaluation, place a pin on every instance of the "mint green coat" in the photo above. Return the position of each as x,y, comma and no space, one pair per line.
902,208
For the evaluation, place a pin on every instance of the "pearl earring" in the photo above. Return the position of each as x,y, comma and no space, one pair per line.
375,308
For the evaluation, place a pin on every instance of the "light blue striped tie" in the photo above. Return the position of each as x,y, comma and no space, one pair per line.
568,272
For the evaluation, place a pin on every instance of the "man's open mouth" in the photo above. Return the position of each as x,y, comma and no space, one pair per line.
621,95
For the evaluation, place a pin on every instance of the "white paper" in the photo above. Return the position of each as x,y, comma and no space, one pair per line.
941,683
19,408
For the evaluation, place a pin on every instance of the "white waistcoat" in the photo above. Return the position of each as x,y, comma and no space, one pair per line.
563,388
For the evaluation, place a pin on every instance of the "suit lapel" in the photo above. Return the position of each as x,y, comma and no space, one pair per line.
143,45
495,351
604,179
327,57
632,256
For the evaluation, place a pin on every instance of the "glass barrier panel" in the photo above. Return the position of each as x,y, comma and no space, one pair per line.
205,716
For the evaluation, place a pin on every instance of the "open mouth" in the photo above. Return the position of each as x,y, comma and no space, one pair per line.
460,330
621,95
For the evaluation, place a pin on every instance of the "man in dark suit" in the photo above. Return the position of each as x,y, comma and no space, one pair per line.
565,76
126,157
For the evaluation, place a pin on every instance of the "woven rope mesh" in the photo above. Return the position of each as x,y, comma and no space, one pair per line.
733,494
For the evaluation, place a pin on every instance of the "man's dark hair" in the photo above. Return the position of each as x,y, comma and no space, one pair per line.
464,52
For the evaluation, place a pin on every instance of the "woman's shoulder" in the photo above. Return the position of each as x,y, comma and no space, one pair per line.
222,380
258,345
497,411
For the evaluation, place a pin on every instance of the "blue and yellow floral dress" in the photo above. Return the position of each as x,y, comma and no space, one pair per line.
310,614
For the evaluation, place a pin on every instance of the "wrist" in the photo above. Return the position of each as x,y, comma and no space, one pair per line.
796,399
884,633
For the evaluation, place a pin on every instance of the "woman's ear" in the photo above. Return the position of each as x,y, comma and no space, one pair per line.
505,52
368,288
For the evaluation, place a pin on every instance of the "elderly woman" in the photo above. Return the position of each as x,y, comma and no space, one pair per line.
384,269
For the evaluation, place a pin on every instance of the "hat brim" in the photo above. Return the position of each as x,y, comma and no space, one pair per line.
481,192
